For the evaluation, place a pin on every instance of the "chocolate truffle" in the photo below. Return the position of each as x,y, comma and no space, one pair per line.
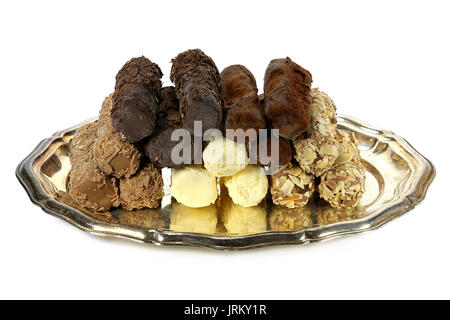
90,188
143,190
284,150
248,187
344,184
82,143
136,98
223,157
240,95
197,83
193,186
287,97
87,185
320,149
291,187
112,154
159,146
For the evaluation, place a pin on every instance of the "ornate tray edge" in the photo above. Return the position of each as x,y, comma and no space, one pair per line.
41,198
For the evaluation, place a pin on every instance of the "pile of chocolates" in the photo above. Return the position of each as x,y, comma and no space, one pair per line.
117,161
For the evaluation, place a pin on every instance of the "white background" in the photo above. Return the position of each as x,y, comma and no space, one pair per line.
385,62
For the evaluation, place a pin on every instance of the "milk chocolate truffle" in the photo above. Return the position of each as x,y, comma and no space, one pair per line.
112,154
159,146
287,97
143,190
88,186
136,98
240,96
82,143
197,83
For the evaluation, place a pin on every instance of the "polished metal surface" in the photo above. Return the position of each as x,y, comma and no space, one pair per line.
397,180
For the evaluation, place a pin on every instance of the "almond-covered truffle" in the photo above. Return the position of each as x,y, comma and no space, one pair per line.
317,152
291,187
343,185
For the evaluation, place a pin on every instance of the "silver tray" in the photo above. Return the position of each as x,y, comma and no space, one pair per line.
397,179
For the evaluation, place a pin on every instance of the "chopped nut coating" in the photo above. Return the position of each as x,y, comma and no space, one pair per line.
291,187
316,154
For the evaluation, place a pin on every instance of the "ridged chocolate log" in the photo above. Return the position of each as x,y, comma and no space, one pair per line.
136,98
197,84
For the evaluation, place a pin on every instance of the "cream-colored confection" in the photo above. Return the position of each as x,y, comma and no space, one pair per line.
193,186
248,187
199,220
243,220
287,219
291,187
223,157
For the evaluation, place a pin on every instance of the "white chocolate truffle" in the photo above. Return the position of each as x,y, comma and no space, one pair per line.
248,187
193,186
199,220
243,220
223,157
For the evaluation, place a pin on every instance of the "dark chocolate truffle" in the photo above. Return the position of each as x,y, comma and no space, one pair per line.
159,146
240,95
136,98
196,80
